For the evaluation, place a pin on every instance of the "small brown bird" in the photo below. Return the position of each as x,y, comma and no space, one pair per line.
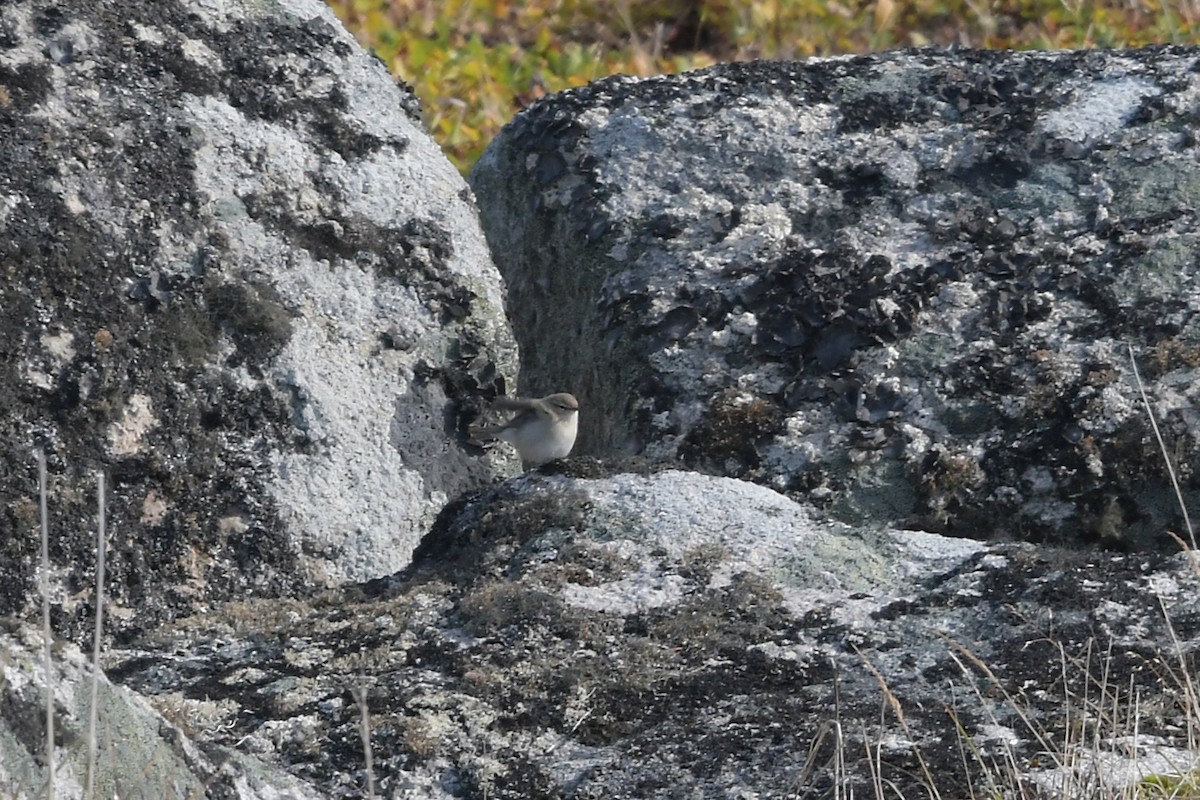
543,431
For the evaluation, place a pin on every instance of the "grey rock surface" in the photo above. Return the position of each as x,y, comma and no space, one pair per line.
901,286
139,752
237,274
678,635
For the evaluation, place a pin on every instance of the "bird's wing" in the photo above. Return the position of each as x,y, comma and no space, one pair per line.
512,404
497,431
527,407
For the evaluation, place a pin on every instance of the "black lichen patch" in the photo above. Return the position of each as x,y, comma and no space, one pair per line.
24,716
461,386
262,84
674,326
816,309
1084,616
417,254
728,437
464,545
1108,478
350,141
25,87
254,316
471,380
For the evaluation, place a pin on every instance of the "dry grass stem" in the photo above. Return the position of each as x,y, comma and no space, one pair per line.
101,539
360,697
45,587
894,703
1163,449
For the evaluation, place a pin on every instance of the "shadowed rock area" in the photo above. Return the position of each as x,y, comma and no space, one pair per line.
239,277
900,286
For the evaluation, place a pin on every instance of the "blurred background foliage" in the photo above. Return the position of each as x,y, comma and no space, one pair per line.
475,63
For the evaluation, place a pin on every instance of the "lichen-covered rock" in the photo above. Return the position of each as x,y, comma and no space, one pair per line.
678,635
236,274
138,752
900,285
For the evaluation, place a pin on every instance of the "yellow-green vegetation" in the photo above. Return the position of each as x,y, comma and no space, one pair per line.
1170,787
475,63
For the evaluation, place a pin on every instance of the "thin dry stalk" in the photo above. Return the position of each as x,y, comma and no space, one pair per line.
1185,683
978,663
837,762
1183,679
894,703
360,697
841,773
874,759
1193,559
1090,718
988,768
45,587
101,540
1093,724
994,774
810,762
1163,449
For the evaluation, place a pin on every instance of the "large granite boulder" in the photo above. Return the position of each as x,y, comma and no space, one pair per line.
902,286
240,278
680,635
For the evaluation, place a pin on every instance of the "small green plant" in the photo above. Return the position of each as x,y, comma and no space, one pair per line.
1169,787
